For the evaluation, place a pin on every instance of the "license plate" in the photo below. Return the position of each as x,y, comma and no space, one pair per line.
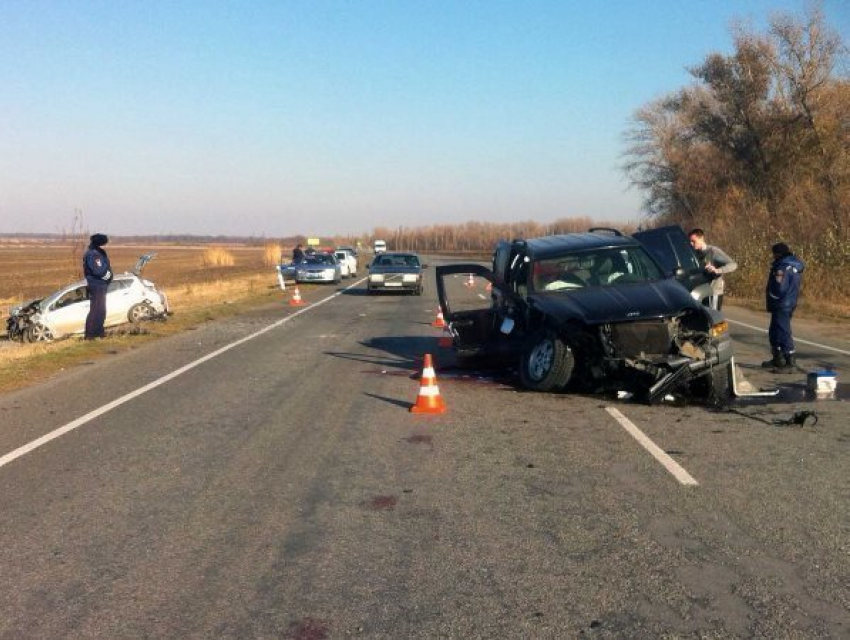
392,284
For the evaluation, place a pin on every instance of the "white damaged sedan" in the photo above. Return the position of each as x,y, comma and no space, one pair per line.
129,298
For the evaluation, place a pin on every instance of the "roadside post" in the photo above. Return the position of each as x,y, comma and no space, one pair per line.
280,278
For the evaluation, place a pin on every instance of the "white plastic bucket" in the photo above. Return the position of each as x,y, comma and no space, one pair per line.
822,384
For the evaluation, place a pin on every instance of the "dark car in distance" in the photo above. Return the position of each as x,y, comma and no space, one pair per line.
395,271
592,312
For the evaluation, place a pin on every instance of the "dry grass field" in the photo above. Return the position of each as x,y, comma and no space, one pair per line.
201,285
34,270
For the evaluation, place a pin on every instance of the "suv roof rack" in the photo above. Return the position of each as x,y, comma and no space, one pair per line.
608,230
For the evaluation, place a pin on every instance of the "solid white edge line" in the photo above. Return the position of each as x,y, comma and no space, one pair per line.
91,415
796,339
666,461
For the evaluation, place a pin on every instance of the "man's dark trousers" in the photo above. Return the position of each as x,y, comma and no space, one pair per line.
779,332
97,313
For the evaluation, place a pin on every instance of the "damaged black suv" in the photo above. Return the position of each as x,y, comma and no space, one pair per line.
591,312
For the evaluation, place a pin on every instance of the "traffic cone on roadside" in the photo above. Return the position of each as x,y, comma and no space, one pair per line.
439,321
470,282
295,300
429,399
489,286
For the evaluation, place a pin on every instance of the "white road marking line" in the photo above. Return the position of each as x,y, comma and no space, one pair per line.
91,415
482,296
796,339
666,461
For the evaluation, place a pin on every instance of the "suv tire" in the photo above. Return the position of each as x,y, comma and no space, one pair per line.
716,387
547,364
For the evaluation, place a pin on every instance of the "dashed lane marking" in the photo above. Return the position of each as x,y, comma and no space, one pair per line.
666,461
91,415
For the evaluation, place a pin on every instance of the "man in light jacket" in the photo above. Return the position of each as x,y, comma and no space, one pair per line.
716,262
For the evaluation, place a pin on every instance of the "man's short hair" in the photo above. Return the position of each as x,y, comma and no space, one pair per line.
699,233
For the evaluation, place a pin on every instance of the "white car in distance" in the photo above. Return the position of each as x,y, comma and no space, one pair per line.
347,262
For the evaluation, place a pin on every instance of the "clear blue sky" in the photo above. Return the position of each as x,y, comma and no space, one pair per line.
281,117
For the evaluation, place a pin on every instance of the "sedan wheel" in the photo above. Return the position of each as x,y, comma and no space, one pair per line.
38,333
547,364
139,312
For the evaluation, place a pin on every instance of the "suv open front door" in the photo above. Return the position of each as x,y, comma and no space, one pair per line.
670,247
467,308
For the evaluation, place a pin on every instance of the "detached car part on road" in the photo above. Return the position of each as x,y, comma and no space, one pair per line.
396,272
129,298
590,312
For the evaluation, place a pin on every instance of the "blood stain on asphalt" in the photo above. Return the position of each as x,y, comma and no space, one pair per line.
383,503
308,629
420,439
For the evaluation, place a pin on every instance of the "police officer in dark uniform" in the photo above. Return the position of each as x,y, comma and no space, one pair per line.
781,292
98,276
297,254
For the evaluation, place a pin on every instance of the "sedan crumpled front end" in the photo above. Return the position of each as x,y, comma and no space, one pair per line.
21,317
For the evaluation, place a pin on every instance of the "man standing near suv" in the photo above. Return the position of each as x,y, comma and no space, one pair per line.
716,263
781,293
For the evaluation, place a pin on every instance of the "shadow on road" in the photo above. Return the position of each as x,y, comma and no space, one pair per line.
392,401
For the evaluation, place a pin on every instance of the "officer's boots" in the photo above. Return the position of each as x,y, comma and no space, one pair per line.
789,365
774,363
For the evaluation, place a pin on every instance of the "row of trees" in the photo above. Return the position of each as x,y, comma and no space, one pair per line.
757,149
476,237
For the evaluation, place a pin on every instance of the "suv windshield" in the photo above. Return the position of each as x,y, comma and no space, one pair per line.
598,268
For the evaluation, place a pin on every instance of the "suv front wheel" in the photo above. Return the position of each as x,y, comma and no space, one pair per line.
547,363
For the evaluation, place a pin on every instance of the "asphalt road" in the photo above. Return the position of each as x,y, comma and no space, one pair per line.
279,487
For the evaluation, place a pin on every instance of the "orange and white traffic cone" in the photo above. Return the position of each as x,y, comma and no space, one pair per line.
470,282
439,321
489,286
429,399
295,300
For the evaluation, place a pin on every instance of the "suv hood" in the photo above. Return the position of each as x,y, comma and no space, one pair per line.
626,303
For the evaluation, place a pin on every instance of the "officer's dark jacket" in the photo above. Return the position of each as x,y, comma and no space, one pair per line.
783,283
97,268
